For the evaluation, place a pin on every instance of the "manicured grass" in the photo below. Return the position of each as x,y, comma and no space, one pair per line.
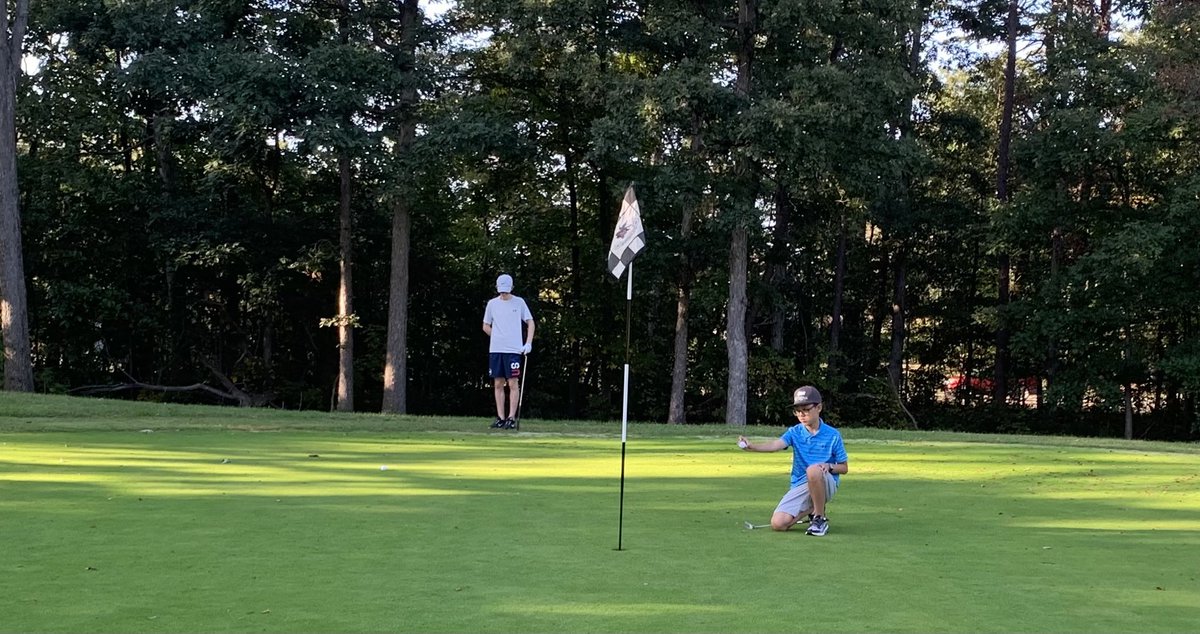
226,520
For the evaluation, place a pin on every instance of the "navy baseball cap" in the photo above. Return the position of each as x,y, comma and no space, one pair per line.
807,395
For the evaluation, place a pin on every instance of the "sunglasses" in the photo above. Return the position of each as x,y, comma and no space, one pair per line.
804,408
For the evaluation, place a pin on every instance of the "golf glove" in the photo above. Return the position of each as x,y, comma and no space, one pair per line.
527,348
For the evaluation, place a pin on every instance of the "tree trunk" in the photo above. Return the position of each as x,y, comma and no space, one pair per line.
836,364
899,326
1000,374
1000,378
395,367
160,126
1050,41
605,220
735,328
1127,357
777,269
268,347
1128,394
14,311
1104,18
735,341
839,286
896,364
963,394
345,326
677,412
677,409
574,387
1056,255
881,312
344,390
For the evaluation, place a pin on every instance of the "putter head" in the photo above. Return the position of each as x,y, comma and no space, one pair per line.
749,526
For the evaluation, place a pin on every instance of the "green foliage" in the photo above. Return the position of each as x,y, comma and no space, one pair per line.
874,405
772,378
178,171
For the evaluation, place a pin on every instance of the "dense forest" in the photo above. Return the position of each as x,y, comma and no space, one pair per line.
957,214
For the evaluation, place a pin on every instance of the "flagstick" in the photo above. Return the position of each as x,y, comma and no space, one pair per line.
625,402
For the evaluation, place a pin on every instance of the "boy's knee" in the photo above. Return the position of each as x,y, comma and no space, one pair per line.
782,521
815,471
779,526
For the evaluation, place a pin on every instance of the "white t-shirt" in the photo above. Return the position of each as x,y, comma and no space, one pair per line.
505,318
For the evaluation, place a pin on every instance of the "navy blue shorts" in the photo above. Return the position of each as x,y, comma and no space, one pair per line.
504,365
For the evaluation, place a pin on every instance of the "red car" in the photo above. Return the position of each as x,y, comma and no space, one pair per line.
1029,384
955,382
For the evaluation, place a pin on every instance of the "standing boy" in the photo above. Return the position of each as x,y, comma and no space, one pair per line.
818,460
502,322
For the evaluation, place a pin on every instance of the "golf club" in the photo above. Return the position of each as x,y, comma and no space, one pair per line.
524,388
751,525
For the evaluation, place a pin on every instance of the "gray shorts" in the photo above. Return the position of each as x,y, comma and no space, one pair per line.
796,502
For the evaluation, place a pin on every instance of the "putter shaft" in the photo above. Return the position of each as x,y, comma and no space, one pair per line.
751,525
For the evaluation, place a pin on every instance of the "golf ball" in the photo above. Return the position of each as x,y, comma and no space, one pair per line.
383,467
742,444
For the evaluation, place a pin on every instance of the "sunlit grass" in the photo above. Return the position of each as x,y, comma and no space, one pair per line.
188,529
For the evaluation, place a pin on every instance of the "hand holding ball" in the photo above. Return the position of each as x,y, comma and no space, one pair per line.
742,444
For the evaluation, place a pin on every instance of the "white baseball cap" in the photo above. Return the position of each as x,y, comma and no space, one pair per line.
504,283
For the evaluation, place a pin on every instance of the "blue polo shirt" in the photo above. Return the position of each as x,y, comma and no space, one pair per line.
809,449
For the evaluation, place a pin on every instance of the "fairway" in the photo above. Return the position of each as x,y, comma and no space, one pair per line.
468,531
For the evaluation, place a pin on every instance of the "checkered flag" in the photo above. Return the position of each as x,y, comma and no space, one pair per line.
629,238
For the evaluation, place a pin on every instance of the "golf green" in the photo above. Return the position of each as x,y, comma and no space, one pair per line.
198,530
